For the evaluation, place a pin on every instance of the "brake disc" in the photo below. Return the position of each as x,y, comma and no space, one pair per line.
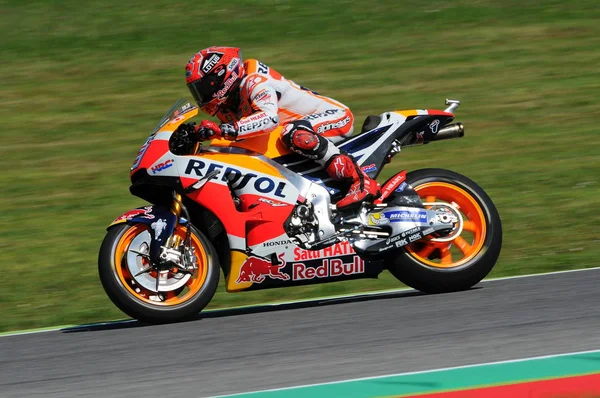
137,264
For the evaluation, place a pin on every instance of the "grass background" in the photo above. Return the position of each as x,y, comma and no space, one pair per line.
83,83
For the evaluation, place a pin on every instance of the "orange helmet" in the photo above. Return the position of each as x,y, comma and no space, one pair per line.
212,75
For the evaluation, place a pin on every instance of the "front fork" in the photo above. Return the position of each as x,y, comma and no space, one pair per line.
177,208
165,243
162,224
170,252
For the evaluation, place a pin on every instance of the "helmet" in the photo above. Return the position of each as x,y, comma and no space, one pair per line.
212,75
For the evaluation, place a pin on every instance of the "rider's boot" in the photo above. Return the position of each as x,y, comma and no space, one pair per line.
300,137
363,188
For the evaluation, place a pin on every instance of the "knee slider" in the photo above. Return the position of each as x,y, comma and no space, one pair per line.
300,137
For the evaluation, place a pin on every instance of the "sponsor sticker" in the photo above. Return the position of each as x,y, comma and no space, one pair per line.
211,62
272,202
145,213
232,64
405,237
158,226
401,242
262,94
263,184
328,268
410,231
228,83
257,270
338,249
331,126
406,216
414,237
162,166
277,243
434,126
393,239
369,168
258,124
328,112
390,186
401,187
427,231
378,219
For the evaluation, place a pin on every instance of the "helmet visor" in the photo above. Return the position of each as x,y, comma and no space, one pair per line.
203,89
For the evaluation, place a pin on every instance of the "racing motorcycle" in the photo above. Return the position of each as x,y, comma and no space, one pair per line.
266,218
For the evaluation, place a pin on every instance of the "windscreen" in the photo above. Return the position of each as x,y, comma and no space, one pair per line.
180,107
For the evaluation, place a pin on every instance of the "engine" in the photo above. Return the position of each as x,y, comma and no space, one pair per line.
302,226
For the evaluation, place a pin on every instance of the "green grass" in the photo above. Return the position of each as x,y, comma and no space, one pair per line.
83,83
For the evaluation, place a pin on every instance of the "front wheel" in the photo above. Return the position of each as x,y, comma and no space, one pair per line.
154,296
463,257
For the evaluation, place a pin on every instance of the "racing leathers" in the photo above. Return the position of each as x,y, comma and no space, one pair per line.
310,124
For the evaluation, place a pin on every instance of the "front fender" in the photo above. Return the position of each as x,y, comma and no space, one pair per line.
160,219
140,214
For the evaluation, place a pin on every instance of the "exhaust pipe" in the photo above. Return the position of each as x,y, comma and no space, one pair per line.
451,131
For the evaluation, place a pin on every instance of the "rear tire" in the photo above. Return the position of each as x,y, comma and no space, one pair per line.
435,267
128,294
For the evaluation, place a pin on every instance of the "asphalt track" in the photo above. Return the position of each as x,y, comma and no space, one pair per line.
256,349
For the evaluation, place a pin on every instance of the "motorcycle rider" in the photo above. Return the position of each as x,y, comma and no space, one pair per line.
250,99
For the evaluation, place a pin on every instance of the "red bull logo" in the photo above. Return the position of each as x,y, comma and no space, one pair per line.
256,269
145,212
328,268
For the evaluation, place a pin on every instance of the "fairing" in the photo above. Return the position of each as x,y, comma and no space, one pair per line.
149,154
252,186
371,148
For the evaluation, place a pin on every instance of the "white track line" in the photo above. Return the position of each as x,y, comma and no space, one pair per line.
344,296
414,373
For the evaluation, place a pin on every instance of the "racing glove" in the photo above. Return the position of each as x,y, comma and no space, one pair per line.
229,131
186,135
208,130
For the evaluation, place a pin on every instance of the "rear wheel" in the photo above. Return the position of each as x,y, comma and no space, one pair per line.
464,256
147,294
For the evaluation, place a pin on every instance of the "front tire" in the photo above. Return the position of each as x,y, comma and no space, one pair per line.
459,261
135,296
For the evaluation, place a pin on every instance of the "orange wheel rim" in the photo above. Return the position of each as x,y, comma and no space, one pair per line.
464,246
179,296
